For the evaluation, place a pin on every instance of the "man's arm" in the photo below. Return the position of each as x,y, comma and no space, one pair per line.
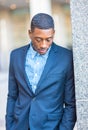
12,96
69,116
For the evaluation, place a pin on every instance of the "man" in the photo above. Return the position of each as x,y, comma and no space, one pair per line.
41,87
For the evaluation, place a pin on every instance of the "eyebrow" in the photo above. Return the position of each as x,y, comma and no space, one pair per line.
45,38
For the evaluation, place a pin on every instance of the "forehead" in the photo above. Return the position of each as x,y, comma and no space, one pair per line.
43,32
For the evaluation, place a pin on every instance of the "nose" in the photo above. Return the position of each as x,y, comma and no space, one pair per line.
43,44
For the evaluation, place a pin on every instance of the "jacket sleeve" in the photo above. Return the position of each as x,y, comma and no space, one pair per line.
12,95
69,115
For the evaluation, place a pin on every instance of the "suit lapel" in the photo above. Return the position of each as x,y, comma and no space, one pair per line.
23,59
49,64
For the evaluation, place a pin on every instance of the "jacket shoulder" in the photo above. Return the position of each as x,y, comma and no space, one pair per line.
63,50
20,49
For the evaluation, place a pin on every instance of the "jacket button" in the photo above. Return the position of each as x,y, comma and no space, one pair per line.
34,99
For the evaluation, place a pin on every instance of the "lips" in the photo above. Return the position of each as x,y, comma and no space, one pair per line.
42,51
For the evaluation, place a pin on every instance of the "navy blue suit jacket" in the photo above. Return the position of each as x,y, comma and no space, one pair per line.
52,107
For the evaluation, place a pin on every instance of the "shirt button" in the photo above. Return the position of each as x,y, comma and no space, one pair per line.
37,63
36,74
34,87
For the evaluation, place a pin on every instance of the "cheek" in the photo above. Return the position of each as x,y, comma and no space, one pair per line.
49,44
35,45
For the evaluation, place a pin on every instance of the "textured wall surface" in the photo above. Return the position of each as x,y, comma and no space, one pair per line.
79,15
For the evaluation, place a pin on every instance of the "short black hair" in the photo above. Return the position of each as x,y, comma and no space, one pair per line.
42,21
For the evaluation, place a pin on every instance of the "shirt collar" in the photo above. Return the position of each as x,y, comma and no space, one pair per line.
32,51
35,53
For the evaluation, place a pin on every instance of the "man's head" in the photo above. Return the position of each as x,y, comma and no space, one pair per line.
42,21
42,32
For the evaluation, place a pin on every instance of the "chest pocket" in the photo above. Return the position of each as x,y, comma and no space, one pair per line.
58,76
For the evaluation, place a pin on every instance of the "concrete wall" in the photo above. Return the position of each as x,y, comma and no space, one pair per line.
79,15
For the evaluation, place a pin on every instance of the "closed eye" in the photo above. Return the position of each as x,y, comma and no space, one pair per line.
38,39
49,39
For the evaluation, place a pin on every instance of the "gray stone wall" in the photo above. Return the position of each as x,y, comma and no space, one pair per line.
79,16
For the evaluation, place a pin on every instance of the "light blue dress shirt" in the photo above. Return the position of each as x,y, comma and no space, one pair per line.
34,66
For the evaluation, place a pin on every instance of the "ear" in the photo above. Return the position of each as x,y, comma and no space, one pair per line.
53,31
29,33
